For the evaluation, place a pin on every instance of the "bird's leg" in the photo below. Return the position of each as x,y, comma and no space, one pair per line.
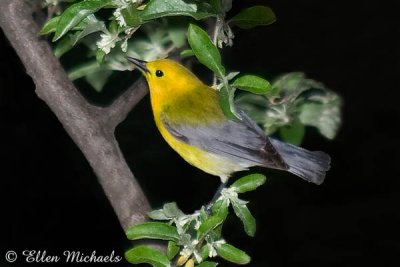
218,192
216,195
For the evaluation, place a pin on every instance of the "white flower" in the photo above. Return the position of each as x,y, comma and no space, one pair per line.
189,248
197,256
231,195
108,41
212,252
118,16
211,246
183,220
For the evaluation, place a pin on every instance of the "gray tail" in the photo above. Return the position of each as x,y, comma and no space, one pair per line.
309,165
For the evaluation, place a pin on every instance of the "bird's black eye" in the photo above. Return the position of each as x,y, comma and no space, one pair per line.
159,73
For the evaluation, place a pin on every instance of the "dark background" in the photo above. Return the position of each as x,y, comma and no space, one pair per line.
50,199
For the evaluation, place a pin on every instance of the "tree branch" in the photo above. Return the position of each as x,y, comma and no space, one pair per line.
119,109
83,122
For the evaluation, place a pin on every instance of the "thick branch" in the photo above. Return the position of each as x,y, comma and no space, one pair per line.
92,134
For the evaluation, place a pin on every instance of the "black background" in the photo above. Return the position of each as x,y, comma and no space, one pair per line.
50,199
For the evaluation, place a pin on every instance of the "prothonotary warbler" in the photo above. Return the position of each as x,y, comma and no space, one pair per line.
188,115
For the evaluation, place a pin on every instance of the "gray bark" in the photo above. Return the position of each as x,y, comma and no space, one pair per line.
90,127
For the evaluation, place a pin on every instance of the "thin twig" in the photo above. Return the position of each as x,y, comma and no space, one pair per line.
215,33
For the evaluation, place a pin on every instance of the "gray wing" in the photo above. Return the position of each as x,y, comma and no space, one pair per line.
241,140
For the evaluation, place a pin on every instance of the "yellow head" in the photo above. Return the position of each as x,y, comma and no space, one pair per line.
166,78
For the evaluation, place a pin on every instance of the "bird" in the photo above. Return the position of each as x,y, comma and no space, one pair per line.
188,115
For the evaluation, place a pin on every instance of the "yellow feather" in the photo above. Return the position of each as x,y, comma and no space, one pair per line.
179,92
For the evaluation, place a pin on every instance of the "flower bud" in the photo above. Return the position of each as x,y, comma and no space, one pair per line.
181,260
190,263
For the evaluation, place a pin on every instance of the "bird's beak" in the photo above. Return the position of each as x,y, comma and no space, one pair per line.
140,64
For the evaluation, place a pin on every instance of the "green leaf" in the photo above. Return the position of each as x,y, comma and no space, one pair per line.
245,216
253,16
324,114
204,50
249,183
172,249
187,53
293,133
69,40
204,214
207,264
168,212
64,45
226,102
204,252
146,254
114,27
153,230
232,75
171,210
253,84
290,85
220,208
100,56
90,25
232,254
76,13
158,215
98,79
161,8
131,15
50,26
208,225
